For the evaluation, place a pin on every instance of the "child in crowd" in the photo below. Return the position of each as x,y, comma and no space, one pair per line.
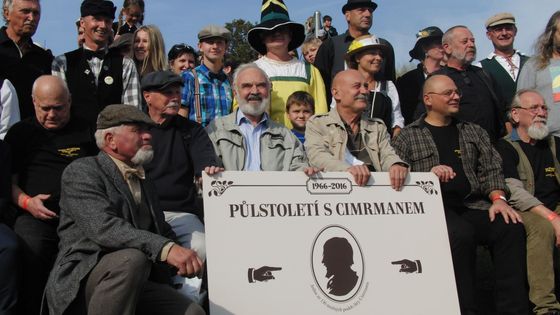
299,107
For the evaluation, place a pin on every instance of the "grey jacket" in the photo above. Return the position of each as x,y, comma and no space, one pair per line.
280,149
326,139
96,218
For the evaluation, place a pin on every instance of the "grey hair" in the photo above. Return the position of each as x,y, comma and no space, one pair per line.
8,5
516,103
101,133
246,66
448,35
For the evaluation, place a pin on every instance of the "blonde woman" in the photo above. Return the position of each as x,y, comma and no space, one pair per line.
148,51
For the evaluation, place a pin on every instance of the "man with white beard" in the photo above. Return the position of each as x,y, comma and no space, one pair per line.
532,173
116,251
247,139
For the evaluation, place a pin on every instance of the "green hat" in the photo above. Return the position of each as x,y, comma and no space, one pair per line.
274,14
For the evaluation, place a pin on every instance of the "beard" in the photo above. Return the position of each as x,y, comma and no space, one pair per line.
538,131
462,56
143,156
253,110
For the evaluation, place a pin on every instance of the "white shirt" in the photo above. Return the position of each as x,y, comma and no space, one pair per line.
9,108
515,59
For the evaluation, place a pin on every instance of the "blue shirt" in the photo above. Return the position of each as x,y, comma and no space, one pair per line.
299,135
216,96
252,136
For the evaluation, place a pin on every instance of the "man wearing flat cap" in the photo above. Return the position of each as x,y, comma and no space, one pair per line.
274,38
505,62
116,250
97,76
207,93
182,150
330,56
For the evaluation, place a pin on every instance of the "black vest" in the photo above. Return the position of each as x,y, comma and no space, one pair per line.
507,85
88,99
380,106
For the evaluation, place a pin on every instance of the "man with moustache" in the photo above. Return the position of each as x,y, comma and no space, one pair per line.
96,75
22,61
474,195
116,251
481,101
182,150
248,139
505,62
343,140
532,172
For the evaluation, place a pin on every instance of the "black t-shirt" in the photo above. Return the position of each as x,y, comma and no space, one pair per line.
539,155
39,156
447,142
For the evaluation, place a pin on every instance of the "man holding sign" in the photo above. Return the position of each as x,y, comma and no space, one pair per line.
474,195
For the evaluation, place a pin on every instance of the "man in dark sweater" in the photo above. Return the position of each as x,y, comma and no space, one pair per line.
182,150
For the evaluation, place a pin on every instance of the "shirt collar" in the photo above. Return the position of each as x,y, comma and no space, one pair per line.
126,170
240,118
493,54
206,72
514,135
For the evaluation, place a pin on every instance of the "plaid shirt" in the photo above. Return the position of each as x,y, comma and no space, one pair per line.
131,82
215,94
481,162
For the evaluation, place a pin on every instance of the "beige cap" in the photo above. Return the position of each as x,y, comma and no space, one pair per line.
500,18
210,31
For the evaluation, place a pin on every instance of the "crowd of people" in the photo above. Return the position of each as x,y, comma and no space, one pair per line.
103,148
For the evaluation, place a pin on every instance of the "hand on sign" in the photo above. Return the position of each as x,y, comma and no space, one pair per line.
361,174
310,171
397,175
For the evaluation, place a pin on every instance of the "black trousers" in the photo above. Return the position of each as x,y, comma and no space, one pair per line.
39,246
469,228
8,266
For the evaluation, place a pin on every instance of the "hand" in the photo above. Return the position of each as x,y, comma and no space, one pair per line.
310,171
397,174
556,226
213,170
185,260
37,209
408,266
264,273
361,174
444,173
396,131
502,207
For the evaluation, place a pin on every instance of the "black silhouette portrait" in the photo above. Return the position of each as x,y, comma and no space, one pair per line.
338,258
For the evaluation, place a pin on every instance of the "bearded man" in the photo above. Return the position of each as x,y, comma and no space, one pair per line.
532,173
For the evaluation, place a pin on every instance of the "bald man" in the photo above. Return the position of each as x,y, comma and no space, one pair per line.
42,146
344,140
474,195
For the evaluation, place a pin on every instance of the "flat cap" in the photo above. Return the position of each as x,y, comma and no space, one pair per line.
500,18
97,7
118,114
210,31
159,80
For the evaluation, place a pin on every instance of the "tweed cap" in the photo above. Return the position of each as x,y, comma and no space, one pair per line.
211,31
97,7
159,80
118,114
499,19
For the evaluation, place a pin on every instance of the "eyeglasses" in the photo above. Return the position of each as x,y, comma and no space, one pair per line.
534,109
448,93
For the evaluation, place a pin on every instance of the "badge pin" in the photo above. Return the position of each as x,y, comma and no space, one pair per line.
87,71
106,68
108,80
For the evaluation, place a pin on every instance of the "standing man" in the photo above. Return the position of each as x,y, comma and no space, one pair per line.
532,172
330,31
116,251
474,195
330,57
481,101
542,71
505,62
208,95
343,140
274,38
22,61
42,147
97,76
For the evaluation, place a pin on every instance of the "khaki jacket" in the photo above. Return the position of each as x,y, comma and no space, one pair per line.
326,138
280,149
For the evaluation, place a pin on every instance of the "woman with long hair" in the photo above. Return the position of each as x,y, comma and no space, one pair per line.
148,51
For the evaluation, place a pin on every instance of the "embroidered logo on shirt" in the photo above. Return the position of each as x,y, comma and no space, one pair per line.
69,152
457,153
549,171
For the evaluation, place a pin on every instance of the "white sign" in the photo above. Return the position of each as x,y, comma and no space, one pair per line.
284,243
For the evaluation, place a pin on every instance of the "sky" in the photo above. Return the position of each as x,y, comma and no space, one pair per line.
394,20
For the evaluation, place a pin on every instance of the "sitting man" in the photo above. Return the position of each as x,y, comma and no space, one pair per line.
182,150
532,173
115,248
248,139
474,195
42,147
343,140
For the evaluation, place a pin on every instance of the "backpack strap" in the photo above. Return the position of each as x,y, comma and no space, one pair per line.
197,109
